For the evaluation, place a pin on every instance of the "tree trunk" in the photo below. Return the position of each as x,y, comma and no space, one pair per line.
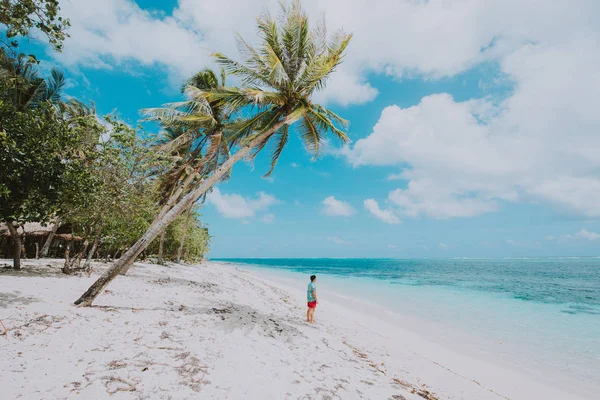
37,250
76,263
182,242
67,267
48,243
17,243
90,255
131,254
161,246
23,253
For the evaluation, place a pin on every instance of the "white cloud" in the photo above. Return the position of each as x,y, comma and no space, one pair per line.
236,206
113,32
386,216
392,246
333,207
443,246
294,165
268,218
336,240
464,158
431,39
583,234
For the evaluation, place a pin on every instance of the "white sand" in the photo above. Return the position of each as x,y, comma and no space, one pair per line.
213,331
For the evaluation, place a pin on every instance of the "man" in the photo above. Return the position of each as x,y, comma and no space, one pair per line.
313,300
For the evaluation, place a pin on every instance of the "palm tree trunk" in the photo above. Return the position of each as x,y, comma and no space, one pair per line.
17,243
186,201
182,242
161,246
48,243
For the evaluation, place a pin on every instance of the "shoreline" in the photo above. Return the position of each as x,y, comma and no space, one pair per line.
455,352
222,331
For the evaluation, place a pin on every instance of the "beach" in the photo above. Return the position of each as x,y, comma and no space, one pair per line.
223,331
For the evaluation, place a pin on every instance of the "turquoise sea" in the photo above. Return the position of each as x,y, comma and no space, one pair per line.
538,314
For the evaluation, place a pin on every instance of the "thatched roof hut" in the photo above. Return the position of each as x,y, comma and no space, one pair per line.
37,230
31,229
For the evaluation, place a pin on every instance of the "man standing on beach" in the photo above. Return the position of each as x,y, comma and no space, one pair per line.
313,300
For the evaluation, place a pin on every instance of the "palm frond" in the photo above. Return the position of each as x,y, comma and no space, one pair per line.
310,135
283,137
54,85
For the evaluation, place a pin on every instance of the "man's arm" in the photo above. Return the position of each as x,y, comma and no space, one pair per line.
314,293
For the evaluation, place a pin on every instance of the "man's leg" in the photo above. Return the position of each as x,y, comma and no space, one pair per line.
308,315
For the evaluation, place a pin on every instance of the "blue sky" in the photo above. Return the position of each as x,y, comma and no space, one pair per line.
473,126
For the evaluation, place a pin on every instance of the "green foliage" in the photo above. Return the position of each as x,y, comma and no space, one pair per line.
21,16
42,153
279,78
38,161
196,239
122,199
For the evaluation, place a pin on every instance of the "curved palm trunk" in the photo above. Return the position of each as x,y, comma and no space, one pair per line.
186,201
161,246
17,243
182,242
48,243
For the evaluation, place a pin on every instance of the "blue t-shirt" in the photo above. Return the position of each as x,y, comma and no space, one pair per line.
311,286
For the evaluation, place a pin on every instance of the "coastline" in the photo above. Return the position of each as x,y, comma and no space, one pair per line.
224,331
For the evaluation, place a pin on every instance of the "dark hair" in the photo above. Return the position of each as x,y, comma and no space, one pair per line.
313,277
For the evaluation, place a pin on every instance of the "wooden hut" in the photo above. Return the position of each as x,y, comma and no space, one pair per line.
35,235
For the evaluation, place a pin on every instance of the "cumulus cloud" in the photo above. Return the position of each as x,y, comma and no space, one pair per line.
238,207
583,234
336,240
412,38
386,216
268,218
333,207
464,158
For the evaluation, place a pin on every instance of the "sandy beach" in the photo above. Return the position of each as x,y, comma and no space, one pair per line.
220,331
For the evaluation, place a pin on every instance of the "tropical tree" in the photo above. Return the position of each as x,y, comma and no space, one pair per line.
39,163
278,79
120,204
21,16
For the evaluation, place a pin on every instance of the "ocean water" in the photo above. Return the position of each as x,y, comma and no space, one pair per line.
541,315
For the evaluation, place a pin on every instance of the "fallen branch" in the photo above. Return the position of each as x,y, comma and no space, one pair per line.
5,333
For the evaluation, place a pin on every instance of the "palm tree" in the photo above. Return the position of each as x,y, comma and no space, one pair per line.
278,80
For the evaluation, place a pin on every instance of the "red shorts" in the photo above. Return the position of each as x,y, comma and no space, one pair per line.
312,304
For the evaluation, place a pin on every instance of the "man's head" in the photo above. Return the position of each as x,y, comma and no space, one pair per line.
313,278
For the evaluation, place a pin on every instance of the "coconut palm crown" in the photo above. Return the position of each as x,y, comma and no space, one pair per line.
193,130
278,79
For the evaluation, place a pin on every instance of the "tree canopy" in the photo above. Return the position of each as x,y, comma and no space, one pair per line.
20,17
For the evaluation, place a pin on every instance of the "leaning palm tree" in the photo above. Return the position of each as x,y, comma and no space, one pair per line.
278,80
